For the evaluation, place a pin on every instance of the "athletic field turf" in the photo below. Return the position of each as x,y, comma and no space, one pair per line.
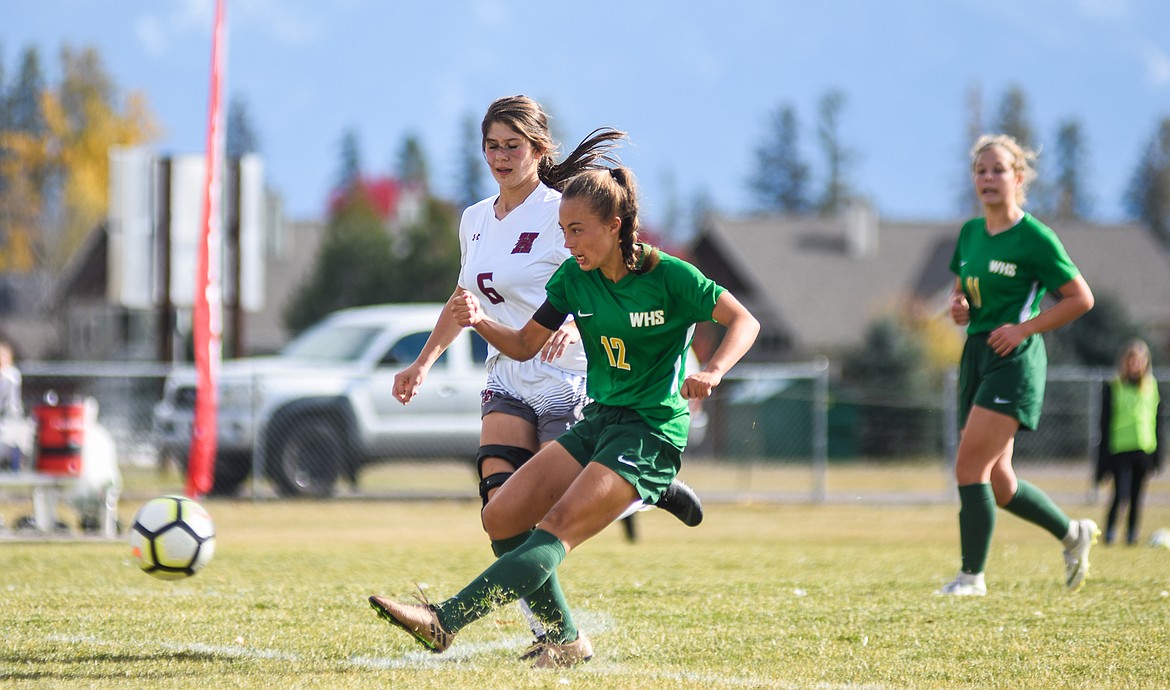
761,595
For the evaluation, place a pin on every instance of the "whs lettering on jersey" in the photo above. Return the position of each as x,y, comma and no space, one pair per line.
640,319
1002,267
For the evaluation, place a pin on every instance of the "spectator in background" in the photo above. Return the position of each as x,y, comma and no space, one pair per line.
13,426
1130,432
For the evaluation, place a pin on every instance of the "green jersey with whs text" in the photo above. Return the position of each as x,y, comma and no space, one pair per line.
1005,276
636,333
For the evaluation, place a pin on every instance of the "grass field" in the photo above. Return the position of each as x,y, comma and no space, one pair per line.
767,595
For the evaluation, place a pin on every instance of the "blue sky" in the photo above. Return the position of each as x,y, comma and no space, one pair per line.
693,82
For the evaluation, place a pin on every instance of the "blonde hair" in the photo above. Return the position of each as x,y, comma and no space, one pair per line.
1141,349
1023,160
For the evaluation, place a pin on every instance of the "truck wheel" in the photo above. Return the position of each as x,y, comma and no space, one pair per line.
306,460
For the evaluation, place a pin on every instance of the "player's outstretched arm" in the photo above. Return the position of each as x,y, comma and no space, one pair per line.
407,381
742,329
519,345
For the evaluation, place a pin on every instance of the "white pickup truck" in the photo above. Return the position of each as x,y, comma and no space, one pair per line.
322,407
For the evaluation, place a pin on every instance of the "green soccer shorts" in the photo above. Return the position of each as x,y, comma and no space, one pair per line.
1011,385
621,440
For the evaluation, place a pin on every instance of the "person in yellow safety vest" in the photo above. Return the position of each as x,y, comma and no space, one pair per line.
1130,430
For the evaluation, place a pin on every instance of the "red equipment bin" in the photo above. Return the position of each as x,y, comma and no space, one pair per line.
60,435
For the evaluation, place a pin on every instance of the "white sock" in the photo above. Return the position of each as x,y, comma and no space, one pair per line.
1074,533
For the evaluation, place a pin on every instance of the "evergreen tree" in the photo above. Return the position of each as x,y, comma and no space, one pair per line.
1095,338
240,138
1071,191
349,174
887,377
24,167
1148,196
470,164
967,202
411,166
351,267
24,96
428,264
838,158
1013,118
56,162
781,176
84,118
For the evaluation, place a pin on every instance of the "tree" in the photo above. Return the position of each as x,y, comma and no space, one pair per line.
1071,197
240,138
469,167
1148,196
84,119
412,162
781,177
24,167
887,377
426,264
350,270
1013,119
967,202
56,161
349,174
838,158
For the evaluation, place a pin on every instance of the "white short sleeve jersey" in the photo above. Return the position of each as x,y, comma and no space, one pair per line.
506,263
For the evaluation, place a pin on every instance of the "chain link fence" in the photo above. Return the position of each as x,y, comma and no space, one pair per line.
775,432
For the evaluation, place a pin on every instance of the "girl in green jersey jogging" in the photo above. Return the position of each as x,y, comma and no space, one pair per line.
1005,262
636,308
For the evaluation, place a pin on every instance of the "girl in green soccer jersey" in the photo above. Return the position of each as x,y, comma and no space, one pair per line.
1005,262
636,308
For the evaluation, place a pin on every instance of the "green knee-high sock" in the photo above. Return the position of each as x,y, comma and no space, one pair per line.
548,601
976,524
1032,504
516,574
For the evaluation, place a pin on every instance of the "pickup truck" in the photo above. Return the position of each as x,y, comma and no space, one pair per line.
322,407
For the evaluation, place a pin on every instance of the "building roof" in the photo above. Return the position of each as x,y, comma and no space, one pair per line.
816,283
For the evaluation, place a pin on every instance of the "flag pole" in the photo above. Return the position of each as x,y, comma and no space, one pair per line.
207,327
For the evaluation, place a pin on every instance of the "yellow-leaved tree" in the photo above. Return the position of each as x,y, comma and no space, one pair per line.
60,170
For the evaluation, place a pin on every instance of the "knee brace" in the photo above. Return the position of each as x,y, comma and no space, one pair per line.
513,454
491,482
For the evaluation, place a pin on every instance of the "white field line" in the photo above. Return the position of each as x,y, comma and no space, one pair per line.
464,655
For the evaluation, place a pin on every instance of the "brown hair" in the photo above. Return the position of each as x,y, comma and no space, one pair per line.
525,115
613,193
1022,160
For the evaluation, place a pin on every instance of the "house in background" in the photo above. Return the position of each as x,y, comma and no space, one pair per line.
817,283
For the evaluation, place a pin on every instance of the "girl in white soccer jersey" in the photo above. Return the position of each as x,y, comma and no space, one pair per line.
1005,262
510,245
636,308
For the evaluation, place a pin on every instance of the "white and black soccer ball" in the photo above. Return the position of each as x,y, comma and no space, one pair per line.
1160,539
173,537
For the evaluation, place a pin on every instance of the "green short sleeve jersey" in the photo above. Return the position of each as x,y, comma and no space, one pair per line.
1005,276
636,333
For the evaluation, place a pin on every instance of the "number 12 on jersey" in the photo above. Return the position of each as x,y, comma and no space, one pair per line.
615,349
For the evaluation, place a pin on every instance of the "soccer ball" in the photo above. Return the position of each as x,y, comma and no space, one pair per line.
1160,539
172,537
